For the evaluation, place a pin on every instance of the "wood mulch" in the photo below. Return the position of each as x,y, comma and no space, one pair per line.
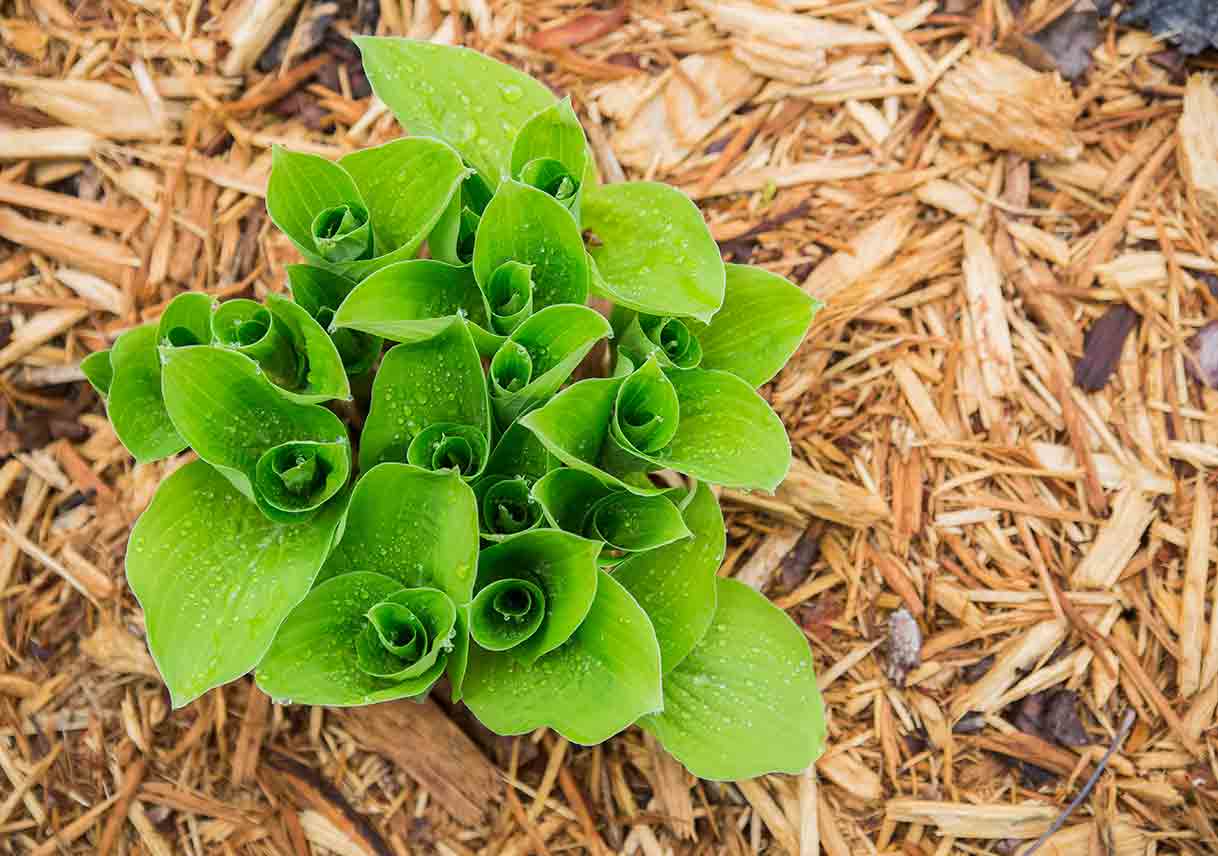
999,419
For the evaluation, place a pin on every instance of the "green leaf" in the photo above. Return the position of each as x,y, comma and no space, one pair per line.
562,565
407,635
316,657
520,453
727,434
578,502
216,578
319,292
302,186
574,426
526,225
232,416
134,404
506,506
601,680
465,98
653,251
297,477
539,356
551,154
249,328
509,293
647,413
505,613
412,301
407,184
420,384
449,446
675,584
98,371
744,702
669,339
373,208
324,376
763,320
418,527
186,321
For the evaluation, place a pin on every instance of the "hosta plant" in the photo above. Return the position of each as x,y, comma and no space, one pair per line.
396,479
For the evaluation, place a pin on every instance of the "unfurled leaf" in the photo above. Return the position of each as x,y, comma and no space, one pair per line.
578,502
526,225
421,384
762,321
420,528
675,584
320,292
134,402
232,417
562,565
470,101
603,678
413,301
216,578
358,639
744,702
509,293
653,252
539,356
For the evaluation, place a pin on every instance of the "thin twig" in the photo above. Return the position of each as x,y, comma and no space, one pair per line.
1122,732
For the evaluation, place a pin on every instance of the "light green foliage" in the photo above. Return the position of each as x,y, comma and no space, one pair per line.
481,500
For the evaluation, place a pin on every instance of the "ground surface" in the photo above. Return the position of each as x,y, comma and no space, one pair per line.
998,421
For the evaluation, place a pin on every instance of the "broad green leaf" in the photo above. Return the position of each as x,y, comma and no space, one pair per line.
186,320
526,225
216,578
316,656
539,356
601,680
653,251
420,384
562,565
98,371
506,506
551,154
134,404
412,301
418,527
727,434
675,584
745,701
669,339
505,613
319,292
763,319
407,184
231,414
578,502
467,99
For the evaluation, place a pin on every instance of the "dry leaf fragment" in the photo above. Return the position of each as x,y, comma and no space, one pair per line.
1069,40
116,650
1103,345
